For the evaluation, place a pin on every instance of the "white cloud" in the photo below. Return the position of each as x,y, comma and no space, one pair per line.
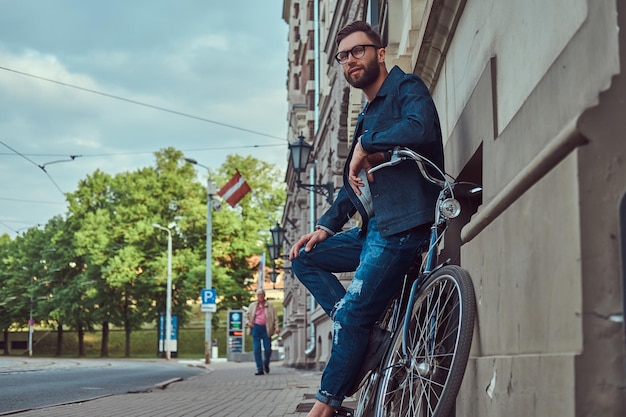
215,60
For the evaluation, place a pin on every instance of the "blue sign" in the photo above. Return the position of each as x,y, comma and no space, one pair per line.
174,327
208,296
173,336
235,319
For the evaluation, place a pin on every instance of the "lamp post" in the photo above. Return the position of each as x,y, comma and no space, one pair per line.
168,300
211,191
31,322
300,152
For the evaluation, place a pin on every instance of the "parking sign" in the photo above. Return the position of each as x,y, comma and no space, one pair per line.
208,296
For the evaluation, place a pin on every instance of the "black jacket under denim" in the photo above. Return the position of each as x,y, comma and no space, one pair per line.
402,114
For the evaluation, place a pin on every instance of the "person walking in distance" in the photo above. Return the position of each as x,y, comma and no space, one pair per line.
263,322
396,206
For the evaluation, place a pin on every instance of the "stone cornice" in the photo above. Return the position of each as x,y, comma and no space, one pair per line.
436,37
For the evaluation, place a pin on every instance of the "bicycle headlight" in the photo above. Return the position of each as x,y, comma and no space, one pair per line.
450,208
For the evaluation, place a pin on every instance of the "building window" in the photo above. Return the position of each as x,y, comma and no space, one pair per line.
378,13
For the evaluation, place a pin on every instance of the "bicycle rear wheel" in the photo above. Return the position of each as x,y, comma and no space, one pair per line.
426,381
368,385
366,401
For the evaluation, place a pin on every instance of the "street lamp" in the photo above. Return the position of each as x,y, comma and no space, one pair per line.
274,251
31,322
168,301
300,152
211,191
278,236
273,275
275,248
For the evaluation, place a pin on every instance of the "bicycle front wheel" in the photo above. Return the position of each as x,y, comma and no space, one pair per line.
424,369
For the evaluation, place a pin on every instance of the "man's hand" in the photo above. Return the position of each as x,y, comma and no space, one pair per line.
310,240
359,162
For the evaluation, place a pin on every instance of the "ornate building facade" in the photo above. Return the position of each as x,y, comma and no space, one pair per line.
532,99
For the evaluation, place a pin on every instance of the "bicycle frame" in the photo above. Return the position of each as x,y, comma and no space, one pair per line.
416,360
447,207
429,266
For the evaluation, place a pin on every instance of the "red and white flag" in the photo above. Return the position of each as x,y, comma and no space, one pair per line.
234,190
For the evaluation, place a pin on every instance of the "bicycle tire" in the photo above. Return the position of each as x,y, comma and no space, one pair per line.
366,403
427,381
368,386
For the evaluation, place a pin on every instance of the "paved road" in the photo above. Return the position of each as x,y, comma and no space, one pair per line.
42,382
227,389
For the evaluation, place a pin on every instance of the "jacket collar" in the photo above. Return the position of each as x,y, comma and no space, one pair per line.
392,79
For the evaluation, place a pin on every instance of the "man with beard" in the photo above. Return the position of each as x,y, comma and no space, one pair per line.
397,209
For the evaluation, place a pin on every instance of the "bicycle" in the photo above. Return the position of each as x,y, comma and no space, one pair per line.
425,334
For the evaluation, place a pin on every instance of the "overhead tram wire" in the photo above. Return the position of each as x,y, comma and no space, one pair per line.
43,166
219,148
8,227
20,200
140,103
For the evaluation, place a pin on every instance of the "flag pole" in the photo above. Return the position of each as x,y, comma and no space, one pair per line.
208,284
261,278
208,342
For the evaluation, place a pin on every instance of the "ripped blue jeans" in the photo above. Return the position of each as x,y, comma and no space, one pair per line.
379,264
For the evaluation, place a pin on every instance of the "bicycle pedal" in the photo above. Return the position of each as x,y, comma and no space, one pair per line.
344,412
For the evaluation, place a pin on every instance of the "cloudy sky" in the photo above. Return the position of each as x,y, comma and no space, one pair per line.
114,81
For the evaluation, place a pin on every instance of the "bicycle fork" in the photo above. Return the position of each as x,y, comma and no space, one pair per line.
424,364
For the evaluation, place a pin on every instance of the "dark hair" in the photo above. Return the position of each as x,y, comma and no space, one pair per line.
359,26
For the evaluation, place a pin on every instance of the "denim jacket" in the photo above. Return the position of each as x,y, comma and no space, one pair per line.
402,114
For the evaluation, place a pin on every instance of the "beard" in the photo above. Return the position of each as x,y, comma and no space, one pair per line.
371,71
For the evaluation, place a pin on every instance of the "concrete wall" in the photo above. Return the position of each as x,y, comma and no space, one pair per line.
532,103
542,249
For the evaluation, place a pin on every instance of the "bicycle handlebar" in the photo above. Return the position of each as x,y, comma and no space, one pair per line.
399,154
403,154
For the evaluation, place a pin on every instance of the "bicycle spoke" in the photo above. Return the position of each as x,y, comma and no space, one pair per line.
421,377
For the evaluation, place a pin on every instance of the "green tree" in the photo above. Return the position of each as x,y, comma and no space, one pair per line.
90,213
69,294
104,264
24,279
124,252
240,234
7,268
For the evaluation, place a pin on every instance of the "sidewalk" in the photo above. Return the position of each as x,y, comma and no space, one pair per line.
228,389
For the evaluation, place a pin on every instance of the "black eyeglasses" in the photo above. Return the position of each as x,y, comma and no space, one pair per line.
357,52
